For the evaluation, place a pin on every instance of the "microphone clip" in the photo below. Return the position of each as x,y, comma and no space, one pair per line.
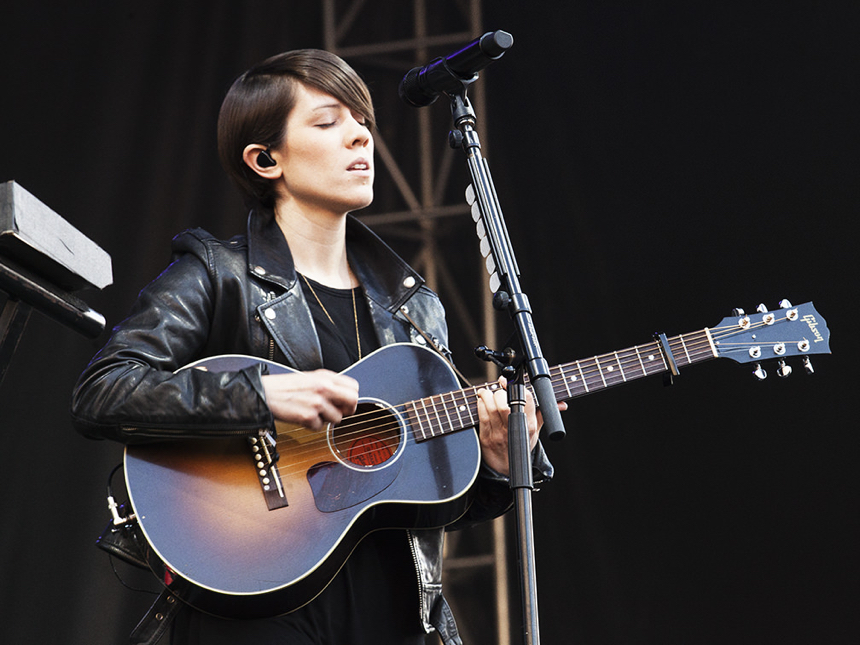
506,359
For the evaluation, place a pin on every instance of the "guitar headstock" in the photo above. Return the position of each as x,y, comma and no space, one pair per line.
772,335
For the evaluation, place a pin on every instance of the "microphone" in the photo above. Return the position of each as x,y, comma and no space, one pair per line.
422,85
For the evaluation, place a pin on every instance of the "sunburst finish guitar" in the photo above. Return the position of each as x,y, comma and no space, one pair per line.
256,527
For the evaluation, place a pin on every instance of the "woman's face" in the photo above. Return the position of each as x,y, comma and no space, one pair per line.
326,158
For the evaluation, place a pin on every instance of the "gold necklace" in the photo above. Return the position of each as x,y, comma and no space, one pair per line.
330,319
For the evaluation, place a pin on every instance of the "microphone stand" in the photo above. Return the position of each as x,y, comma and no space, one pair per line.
509,296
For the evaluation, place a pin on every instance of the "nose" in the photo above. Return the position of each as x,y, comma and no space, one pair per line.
358,134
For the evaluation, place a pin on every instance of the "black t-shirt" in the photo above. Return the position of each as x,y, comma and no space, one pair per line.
337,314
374,598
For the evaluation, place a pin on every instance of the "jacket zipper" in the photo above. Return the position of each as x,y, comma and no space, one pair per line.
271,353
225,432
418,575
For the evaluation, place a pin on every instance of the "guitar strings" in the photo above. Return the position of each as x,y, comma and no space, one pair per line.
344,433
696,345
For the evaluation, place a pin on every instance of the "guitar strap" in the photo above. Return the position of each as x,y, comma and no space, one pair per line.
157,620
435,346
125,542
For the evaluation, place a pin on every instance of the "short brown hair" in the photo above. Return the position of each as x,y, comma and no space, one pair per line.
257,105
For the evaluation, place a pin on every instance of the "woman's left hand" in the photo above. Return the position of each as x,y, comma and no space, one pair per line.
493,413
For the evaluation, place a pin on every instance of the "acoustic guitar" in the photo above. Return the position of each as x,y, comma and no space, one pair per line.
258,526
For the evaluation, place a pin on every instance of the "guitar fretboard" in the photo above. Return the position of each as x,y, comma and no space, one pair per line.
452,411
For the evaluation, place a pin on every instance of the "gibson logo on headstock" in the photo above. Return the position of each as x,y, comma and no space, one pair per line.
809,319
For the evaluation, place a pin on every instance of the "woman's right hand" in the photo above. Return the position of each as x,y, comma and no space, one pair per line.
311,399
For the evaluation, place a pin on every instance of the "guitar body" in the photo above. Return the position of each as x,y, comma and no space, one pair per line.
217,544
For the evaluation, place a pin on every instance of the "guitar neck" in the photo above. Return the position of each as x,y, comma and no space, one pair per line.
452,411
590,375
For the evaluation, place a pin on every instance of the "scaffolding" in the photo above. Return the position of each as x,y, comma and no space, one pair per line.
422,211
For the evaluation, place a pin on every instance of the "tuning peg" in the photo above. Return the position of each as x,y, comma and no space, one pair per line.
737,311
784,369
791,313
762,309
759,372
807,365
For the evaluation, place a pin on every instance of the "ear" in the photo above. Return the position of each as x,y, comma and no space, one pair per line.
259,159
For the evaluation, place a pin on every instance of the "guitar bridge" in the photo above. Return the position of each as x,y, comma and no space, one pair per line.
265,452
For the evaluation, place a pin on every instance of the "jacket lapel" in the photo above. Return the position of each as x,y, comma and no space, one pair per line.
387,280
286,316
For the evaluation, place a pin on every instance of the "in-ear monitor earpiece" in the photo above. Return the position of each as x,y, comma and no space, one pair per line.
264,159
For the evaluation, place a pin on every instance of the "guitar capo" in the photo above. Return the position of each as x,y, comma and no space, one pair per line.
668,377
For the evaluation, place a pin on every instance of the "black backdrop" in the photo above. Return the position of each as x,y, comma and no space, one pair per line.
659,164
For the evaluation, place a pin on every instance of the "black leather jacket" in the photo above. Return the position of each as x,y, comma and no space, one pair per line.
241,296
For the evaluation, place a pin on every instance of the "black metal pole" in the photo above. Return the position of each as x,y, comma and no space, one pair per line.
533,361
522,484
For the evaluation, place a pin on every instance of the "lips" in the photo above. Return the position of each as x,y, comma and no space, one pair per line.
359,165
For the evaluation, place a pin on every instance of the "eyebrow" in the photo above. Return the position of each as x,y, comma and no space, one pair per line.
328,106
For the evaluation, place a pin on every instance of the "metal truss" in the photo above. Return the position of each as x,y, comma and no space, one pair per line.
422,211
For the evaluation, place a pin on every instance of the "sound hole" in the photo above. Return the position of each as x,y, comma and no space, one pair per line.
368,438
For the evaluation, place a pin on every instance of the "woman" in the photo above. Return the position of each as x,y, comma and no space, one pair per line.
309,287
